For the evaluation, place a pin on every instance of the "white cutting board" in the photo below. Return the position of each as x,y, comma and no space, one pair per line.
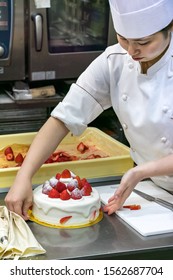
152,218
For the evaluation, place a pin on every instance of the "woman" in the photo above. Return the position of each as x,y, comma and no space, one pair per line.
135,77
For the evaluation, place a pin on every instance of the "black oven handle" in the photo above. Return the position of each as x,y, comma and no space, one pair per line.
38,31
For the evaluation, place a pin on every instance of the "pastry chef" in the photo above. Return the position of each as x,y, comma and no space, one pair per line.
135,77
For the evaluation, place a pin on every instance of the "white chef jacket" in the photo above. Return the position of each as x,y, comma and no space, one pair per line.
142,102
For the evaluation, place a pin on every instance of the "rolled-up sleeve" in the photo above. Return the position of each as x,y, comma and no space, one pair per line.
77,110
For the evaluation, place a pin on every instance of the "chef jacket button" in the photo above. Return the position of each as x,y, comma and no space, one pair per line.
163,139
131,66
165,109
124,125
124,97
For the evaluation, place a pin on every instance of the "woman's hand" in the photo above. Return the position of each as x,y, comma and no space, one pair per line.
127,184
19,197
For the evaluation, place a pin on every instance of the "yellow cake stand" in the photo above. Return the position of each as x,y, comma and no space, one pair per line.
33,219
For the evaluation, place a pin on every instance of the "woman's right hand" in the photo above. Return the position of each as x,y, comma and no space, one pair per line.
19,198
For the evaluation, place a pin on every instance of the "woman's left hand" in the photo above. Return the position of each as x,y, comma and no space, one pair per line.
127,184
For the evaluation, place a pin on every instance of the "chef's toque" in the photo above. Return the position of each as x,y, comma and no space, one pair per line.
140,18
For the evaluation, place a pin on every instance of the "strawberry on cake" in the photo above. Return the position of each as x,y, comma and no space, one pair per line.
66,200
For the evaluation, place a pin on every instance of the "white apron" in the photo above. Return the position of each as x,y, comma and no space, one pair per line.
143,103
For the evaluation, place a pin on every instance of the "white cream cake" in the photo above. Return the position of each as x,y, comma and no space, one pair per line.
66,201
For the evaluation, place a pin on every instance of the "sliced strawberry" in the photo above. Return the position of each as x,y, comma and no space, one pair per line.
63,156
63,159
60,187
76,194
93,216
53,193
97,156
74,158
81,147
64,219
10,157
133,206
8,150
19,158
64,195
66,174
49,160
92,156
55,157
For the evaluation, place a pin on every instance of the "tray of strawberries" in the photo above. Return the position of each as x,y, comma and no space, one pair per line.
93,154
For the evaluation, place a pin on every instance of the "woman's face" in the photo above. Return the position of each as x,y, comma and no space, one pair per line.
147,48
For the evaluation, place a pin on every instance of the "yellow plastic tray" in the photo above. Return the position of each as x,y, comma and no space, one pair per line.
118,162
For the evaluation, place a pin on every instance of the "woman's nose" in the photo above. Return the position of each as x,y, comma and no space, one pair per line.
132,49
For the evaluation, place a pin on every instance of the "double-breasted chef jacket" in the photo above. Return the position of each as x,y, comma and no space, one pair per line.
142,102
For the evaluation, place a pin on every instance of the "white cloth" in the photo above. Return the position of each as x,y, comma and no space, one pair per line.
143,103
16,238
140,18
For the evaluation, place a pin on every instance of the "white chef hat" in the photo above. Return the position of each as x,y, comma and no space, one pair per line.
140,18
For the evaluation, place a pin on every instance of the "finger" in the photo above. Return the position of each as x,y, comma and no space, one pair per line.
25,209
112,198
112,206
17,208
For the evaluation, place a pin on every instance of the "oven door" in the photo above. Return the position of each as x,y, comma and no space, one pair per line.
12,43
65,38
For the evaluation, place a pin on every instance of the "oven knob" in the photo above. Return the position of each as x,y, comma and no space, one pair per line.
2,51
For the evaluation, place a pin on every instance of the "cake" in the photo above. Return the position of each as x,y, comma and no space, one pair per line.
66,200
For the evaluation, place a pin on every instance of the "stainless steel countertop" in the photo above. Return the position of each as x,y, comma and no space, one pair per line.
111,238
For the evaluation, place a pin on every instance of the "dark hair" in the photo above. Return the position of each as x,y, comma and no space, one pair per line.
166,29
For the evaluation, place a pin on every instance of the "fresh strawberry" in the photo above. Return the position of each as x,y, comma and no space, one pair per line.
80,185
87,184
70,187
53,193
76,194
10,157
58,176
60,187
64,219
64,195
8,150
81,147
86,190
19,158
83,181
66,174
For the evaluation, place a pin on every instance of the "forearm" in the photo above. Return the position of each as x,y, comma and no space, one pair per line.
160,167
45,142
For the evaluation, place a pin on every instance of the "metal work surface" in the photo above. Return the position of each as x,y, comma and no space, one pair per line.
109,239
